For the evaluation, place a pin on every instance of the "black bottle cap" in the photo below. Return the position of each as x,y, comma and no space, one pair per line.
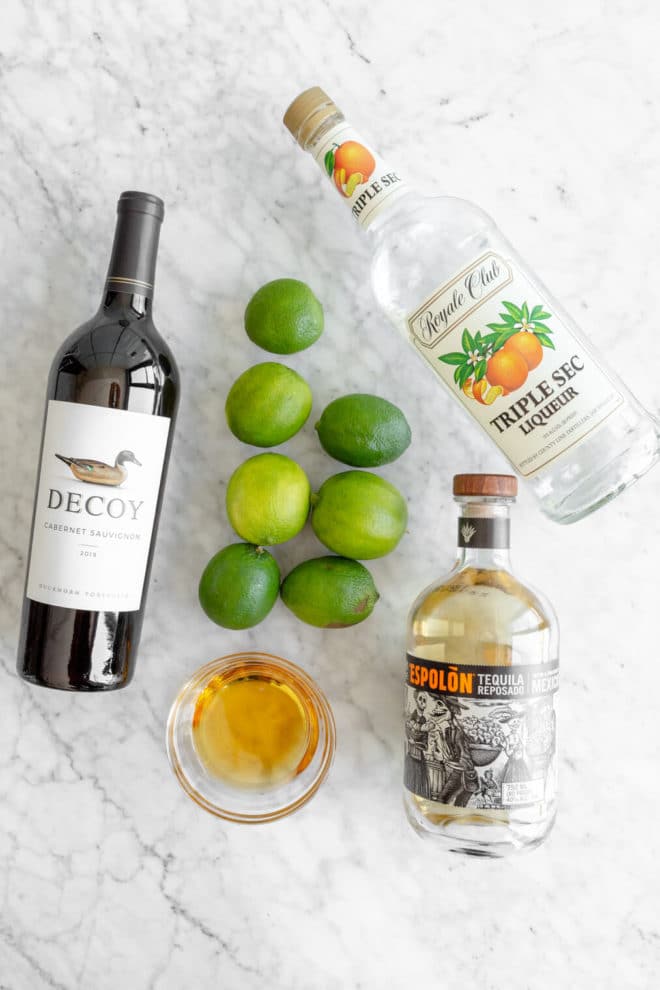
141,202
133,262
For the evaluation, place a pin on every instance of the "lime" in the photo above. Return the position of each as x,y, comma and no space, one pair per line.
357,514
267,404
331,592
239,586
284,316
268,499
363,430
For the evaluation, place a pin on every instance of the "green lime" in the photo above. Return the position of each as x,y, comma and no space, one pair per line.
239,586
267,404
268,499
284,316
357,514
363,430
331,592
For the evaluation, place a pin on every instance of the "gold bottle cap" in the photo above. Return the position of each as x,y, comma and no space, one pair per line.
489,485
307,111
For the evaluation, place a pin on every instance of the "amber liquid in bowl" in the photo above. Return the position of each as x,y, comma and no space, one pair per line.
253,729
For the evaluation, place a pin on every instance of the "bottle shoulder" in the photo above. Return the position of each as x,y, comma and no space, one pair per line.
120,359
116,340
483,616
470,590
425,244
414,209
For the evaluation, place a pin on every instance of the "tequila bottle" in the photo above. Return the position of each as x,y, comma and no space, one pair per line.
482,674
456,289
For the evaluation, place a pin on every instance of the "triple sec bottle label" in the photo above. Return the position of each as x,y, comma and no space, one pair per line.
96,502
516,367
362,177
481,736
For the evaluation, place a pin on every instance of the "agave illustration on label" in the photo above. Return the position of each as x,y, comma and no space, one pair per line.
498,363
467,532
349,165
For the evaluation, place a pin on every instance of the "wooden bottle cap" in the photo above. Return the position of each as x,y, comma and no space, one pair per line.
489,485
307,111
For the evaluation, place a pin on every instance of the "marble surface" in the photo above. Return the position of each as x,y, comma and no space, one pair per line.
547,115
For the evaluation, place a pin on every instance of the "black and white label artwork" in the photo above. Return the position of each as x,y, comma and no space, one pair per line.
481,736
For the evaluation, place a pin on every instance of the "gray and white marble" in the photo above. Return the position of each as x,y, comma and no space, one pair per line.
548,116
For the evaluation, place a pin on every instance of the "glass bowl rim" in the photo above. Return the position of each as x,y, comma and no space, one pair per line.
327,734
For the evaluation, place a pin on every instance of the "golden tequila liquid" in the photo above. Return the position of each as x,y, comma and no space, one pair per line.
254,730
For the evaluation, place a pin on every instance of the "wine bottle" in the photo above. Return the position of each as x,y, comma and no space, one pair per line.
449,281
111,404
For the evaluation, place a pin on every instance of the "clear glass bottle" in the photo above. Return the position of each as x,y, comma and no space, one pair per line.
459,293
482,675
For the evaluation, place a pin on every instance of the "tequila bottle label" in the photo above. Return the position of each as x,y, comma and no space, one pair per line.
362,177
481,736
512,362
485,533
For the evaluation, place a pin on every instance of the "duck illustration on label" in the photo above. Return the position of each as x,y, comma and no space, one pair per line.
98,472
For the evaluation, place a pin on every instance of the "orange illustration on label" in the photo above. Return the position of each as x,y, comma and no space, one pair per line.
349,165
496,364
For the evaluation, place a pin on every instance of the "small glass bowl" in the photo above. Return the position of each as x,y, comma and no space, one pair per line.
238,804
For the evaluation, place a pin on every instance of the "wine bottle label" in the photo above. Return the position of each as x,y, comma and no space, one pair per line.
363,178
95,506
513,363
481,736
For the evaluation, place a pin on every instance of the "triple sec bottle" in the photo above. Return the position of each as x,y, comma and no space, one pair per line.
482,675
110,407
459,293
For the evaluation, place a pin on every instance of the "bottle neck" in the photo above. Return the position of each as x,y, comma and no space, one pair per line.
125,304
484,533
364,180
132,268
